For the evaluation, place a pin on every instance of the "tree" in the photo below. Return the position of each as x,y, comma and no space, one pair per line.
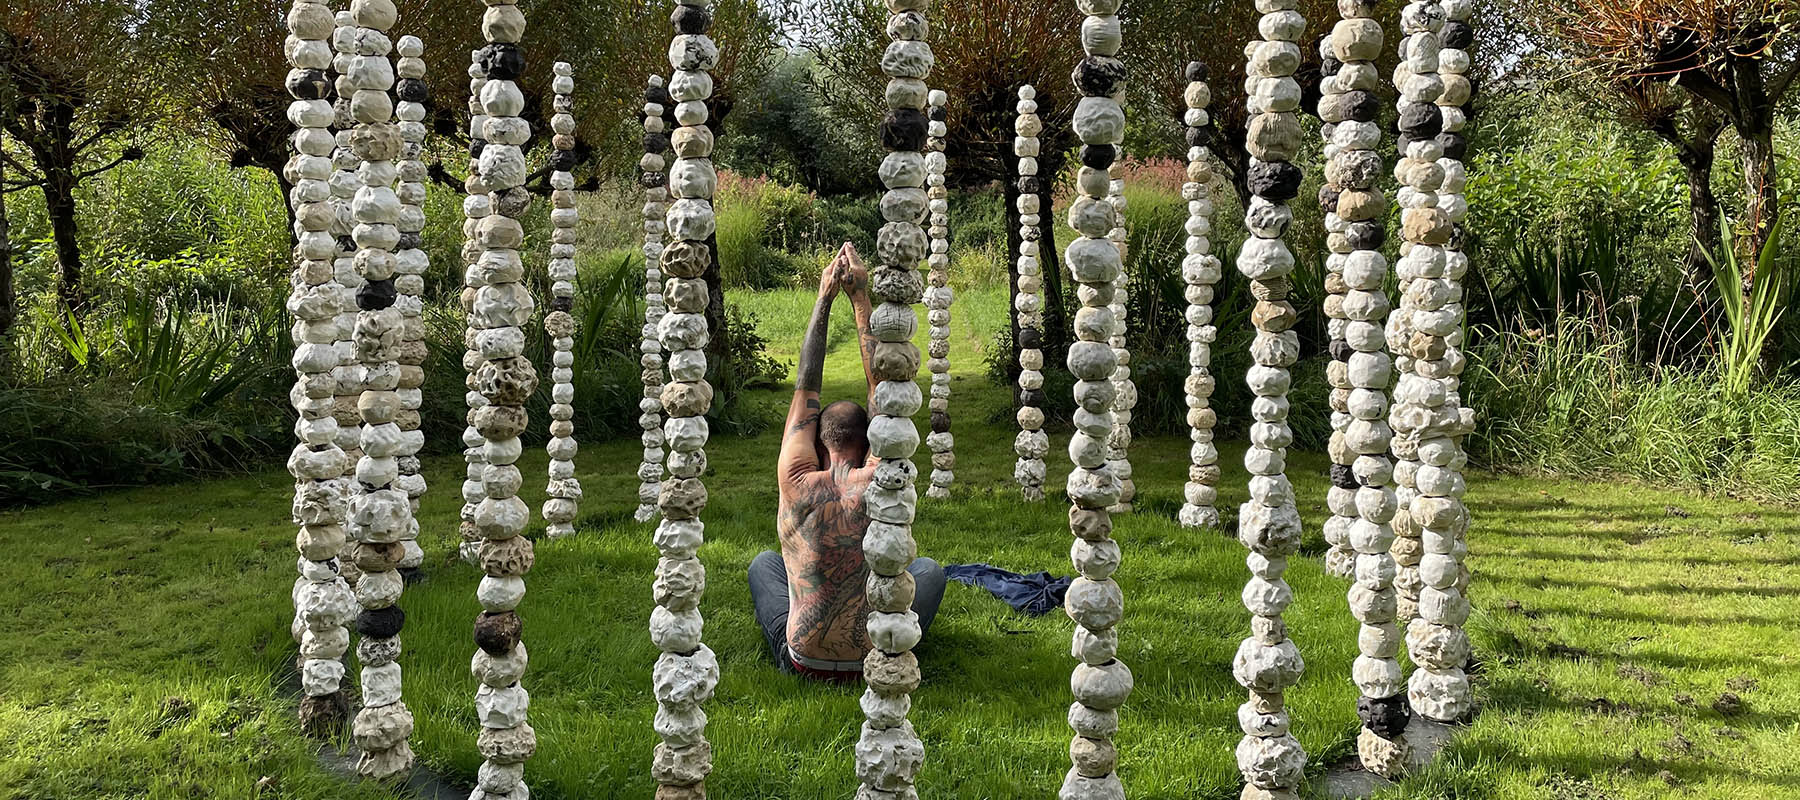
80,94
1735,58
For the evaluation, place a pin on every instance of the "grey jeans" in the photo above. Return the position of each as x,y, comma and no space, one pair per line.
769,594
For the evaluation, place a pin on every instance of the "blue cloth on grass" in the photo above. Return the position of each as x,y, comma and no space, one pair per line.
1035,594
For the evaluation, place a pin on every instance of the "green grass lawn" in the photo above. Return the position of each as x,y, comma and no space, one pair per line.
1632,643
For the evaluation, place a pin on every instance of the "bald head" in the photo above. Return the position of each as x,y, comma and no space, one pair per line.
844,431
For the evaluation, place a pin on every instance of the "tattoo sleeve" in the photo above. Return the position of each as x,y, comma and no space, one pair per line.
812,349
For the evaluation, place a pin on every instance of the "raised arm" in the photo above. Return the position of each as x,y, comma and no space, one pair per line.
856,284
800,440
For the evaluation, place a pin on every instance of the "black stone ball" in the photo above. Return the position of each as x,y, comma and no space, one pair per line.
309,84
656,142
940,422
1421,121
1196,71
652,180
1031,339
903,129
1199,137
563,160
1330,66
476,146
381,623
1031,184
497,634
660,96
691,19
1328,198
1098,156
564,304
1457,35
1343,477
1361,106
409,240
1034,398
376,295
1274,180
1455,145
411,90
1341,350
505,62
1384,716
939,113
1098,76
346,244
1366,235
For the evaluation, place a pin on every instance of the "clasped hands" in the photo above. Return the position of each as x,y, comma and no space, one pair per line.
846,273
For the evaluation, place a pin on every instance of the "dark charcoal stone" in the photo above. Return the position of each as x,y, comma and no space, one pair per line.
1457,35
1361,106
691,19
1366,235
651,180
376,295
660,96
1343,477
1098,156
1274,180
1098,76
498,633
309,84
411,90
1033,397
939,113
346,244
476,146
656,143
1421,121
1341,350
1455,145
381,623
1196,71
1031,184
564,304
563,160
1384,716
1328,198
1031,339
940,422
904,129
409,240
1330,66
1031,233
1200,137
505,62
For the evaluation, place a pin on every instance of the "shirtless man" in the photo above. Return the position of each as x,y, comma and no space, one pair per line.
809,599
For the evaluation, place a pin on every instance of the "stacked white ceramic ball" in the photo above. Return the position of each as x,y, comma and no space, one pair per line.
652,175
1201,272
1118,445
564,489
475,206
1032,443
938,298
411,263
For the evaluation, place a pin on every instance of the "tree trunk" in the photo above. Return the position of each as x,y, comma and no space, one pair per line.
1703,211
1762,203
1009,194
59,206
9,301
718,347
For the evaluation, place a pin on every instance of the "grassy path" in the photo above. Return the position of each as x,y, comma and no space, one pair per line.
1634,643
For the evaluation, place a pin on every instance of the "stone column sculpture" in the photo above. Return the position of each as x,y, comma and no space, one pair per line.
1032,444
1201,271
655,181
500,308
687,672
1118,445
1100,682
1362,497
1267,663
1428,404
380,511
475,206
888,753
344,184
938,297
564,489
323,602
411,263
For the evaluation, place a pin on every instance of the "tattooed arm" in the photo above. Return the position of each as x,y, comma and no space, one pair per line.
800,440
856,285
